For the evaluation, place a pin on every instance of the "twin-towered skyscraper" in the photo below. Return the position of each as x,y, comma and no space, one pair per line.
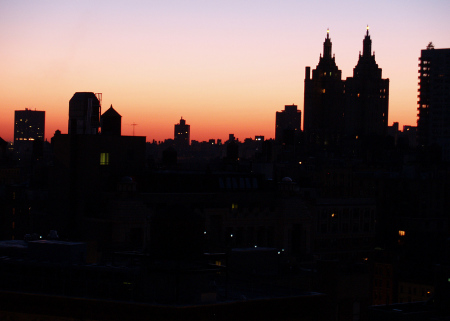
336,110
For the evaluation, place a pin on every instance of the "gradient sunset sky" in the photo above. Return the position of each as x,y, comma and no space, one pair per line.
224,66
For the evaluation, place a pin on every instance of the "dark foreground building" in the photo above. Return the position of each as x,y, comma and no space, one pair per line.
48,280
433,125
87,163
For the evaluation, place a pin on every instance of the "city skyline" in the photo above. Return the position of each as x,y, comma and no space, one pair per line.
215,65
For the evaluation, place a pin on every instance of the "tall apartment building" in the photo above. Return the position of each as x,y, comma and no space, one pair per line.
337,110
287,124
367,97
182,133
29,131
433,124
323,121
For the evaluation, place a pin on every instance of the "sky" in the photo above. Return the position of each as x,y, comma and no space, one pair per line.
224,66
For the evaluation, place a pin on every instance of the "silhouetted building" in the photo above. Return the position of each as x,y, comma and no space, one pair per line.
433,124
87,166
111,122
3,151
84,113
409,134
182,134
287,124
29,130
367,97
169,157
354,108
323,121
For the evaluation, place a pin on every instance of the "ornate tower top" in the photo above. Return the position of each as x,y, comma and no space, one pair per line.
367,44
327,46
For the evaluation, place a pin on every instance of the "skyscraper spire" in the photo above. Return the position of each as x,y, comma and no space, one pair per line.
367,44
327,46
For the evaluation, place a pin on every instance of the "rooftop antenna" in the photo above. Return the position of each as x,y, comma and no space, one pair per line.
134,125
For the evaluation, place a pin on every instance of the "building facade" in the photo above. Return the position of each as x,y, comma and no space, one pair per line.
339,110
433,124
29,131
367,97
182,134
287,124
84,113
323,121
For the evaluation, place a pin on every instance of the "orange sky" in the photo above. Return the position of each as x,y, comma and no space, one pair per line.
225,67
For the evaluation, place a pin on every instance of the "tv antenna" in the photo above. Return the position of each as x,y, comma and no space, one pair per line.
134,125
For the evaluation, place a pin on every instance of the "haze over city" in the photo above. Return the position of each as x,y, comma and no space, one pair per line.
225,67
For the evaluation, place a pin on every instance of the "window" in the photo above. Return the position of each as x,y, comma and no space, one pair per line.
104,158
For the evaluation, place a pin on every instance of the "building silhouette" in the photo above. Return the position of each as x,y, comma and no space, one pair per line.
433,124
367,97
89,164
111,122
84,113
29,130
182,134
323,121
338,110
287,124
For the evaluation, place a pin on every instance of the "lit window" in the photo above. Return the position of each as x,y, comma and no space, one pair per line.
104,158
401,233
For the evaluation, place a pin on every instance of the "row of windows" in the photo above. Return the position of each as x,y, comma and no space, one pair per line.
31,138
345,228
423,291
347,213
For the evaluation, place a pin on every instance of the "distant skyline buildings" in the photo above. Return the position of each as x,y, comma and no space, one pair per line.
242,61
252,128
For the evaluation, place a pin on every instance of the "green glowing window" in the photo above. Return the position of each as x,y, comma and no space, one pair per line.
104,158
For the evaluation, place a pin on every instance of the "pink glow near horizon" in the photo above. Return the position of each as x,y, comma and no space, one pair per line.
225,67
